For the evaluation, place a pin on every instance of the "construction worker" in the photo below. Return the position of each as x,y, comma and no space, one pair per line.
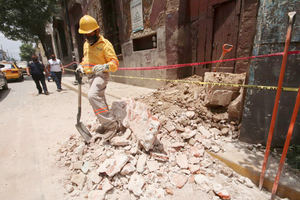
99,59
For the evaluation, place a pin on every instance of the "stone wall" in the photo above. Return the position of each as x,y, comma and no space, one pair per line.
246,34
183,36
160,17
270,38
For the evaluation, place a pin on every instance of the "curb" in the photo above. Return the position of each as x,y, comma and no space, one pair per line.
282,191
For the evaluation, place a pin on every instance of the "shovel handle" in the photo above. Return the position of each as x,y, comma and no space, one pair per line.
79,77
227,48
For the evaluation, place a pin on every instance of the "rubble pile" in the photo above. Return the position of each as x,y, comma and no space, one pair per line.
174,163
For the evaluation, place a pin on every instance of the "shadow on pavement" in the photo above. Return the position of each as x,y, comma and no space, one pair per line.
4,93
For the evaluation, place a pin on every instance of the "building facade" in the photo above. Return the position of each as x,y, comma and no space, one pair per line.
148,33
161,32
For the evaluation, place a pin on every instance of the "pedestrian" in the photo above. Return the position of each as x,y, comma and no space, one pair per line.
99,59
56,69
36,70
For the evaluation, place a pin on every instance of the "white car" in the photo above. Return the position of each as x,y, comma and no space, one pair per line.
3,81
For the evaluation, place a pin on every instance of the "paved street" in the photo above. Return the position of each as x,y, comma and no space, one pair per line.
31,127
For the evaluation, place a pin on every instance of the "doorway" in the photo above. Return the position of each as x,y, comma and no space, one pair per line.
213,23
111,30
225,31
75,15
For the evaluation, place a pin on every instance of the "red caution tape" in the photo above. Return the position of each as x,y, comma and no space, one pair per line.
204,63
194,64
68,65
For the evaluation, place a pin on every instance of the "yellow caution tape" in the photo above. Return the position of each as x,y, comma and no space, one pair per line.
261,87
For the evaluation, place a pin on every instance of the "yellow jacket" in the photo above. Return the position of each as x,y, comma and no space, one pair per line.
102,52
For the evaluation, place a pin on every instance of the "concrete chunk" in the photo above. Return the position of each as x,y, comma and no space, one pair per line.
182,161
136,184
140,166
136,116
113,165
79,180
178,180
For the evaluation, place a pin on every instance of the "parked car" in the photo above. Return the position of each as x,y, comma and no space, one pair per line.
12,71
3,81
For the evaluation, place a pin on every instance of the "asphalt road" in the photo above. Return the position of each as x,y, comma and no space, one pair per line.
31,129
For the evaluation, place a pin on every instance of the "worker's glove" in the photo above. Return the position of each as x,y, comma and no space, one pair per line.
100,68
79,69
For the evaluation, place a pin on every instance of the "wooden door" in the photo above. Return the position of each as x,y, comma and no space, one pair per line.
225,30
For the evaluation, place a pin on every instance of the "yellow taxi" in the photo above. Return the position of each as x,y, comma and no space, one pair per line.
12,71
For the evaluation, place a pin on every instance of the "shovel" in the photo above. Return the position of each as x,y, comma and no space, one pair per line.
84,132
226,49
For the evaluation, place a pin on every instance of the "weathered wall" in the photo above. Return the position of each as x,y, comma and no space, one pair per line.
270,38
200,20
160,18
246,35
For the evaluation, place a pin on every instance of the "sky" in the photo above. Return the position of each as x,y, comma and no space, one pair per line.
10,46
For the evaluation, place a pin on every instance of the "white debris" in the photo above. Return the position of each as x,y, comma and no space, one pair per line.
152,165
204,132
140,166
178,180
79,180
85,167
136,184
128,169
182,161
96,194
94,177
188,134
69,188
113,165
152,162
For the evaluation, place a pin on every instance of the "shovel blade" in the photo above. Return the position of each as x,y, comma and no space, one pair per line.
84,132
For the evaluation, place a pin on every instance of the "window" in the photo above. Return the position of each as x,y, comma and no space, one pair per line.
146,42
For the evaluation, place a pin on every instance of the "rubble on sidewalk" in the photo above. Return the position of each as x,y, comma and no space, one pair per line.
162,151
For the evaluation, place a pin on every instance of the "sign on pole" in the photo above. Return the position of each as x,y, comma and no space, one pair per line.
136,10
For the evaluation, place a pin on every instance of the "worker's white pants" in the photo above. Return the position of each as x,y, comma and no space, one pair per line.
96,96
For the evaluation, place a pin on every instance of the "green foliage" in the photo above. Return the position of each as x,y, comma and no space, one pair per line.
25,19
26,51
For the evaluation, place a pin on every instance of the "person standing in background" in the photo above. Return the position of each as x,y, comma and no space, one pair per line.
36,70
56,69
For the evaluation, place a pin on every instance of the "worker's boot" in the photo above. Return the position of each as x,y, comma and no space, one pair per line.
121,128
109,130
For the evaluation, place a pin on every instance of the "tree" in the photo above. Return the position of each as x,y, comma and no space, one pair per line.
26,20
26,51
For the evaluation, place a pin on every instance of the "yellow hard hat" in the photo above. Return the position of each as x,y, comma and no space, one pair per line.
87,24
